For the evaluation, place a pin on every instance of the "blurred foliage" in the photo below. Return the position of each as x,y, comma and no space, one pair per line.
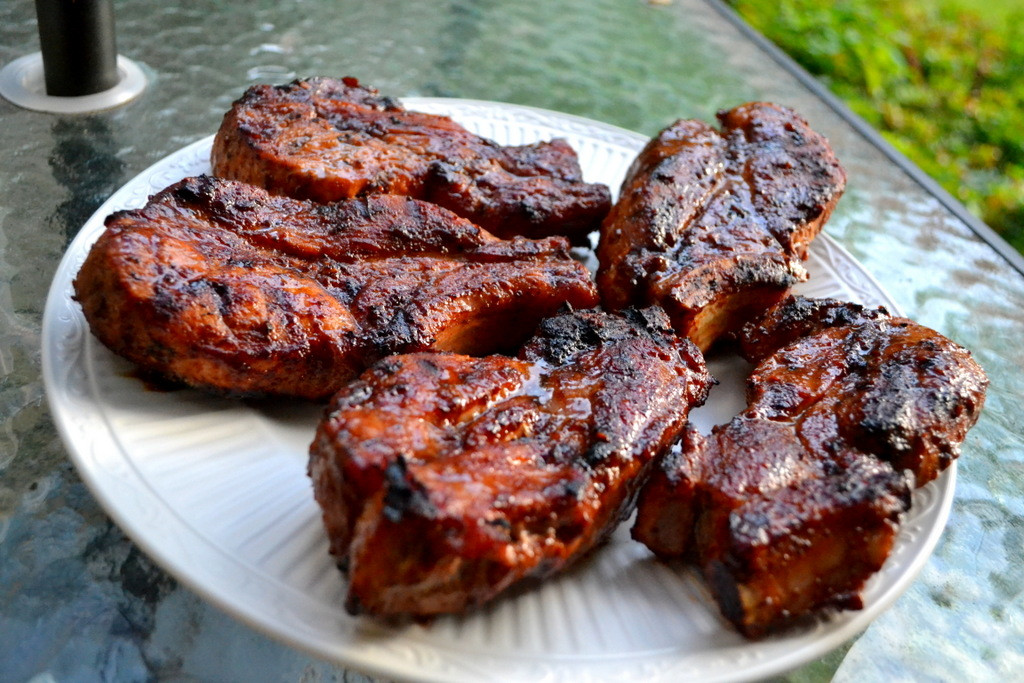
943,85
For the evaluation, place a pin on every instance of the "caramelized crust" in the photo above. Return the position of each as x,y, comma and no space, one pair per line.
223,287
800,317
445,479
712,225
793,505
879,384
325,139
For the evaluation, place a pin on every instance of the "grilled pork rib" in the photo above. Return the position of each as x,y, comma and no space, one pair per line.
224,287
712,225
327,139
445,479
793,505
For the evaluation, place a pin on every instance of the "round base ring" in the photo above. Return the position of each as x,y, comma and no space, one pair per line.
22,82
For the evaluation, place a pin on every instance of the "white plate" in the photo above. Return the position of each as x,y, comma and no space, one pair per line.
216,492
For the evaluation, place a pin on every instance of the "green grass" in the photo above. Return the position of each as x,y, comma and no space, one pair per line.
990,10
944,84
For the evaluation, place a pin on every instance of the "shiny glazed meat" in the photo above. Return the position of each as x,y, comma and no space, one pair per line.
327,139
793,505
445,479
223,287
712,225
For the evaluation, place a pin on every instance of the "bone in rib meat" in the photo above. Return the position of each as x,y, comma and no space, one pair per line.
713,225
327,139
445,479
789,508
224,287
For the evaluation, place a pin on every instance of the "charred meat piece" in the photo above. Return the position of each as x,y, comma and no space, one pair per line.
224,287
777,532
797,318
712,225
793,505
445,479
892,388
326,139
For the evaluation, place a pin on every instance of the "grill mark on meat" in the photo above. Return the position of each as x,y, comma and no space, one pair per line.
451,478
794,504
713,225
224,287
325,140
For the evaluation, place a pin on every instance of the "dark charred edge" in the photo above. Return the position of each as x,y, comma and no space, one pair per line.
569,333
402,496
797,317
726,592
652,319
562,337
828,312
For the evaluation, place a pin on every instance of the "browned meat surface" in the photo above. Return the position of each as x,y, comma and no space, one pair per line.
445,479
892,388
223,287
793,505
797,318
712,225
327,139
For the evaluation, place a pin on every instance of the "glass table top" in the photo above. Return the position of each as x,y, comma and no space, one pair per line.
80,601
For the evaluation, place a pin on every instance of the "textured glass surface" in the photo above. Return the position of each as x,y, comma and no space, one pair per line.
78,601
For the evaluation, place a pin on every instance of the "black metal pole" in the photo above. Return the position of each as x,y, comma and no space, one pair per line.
77,40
